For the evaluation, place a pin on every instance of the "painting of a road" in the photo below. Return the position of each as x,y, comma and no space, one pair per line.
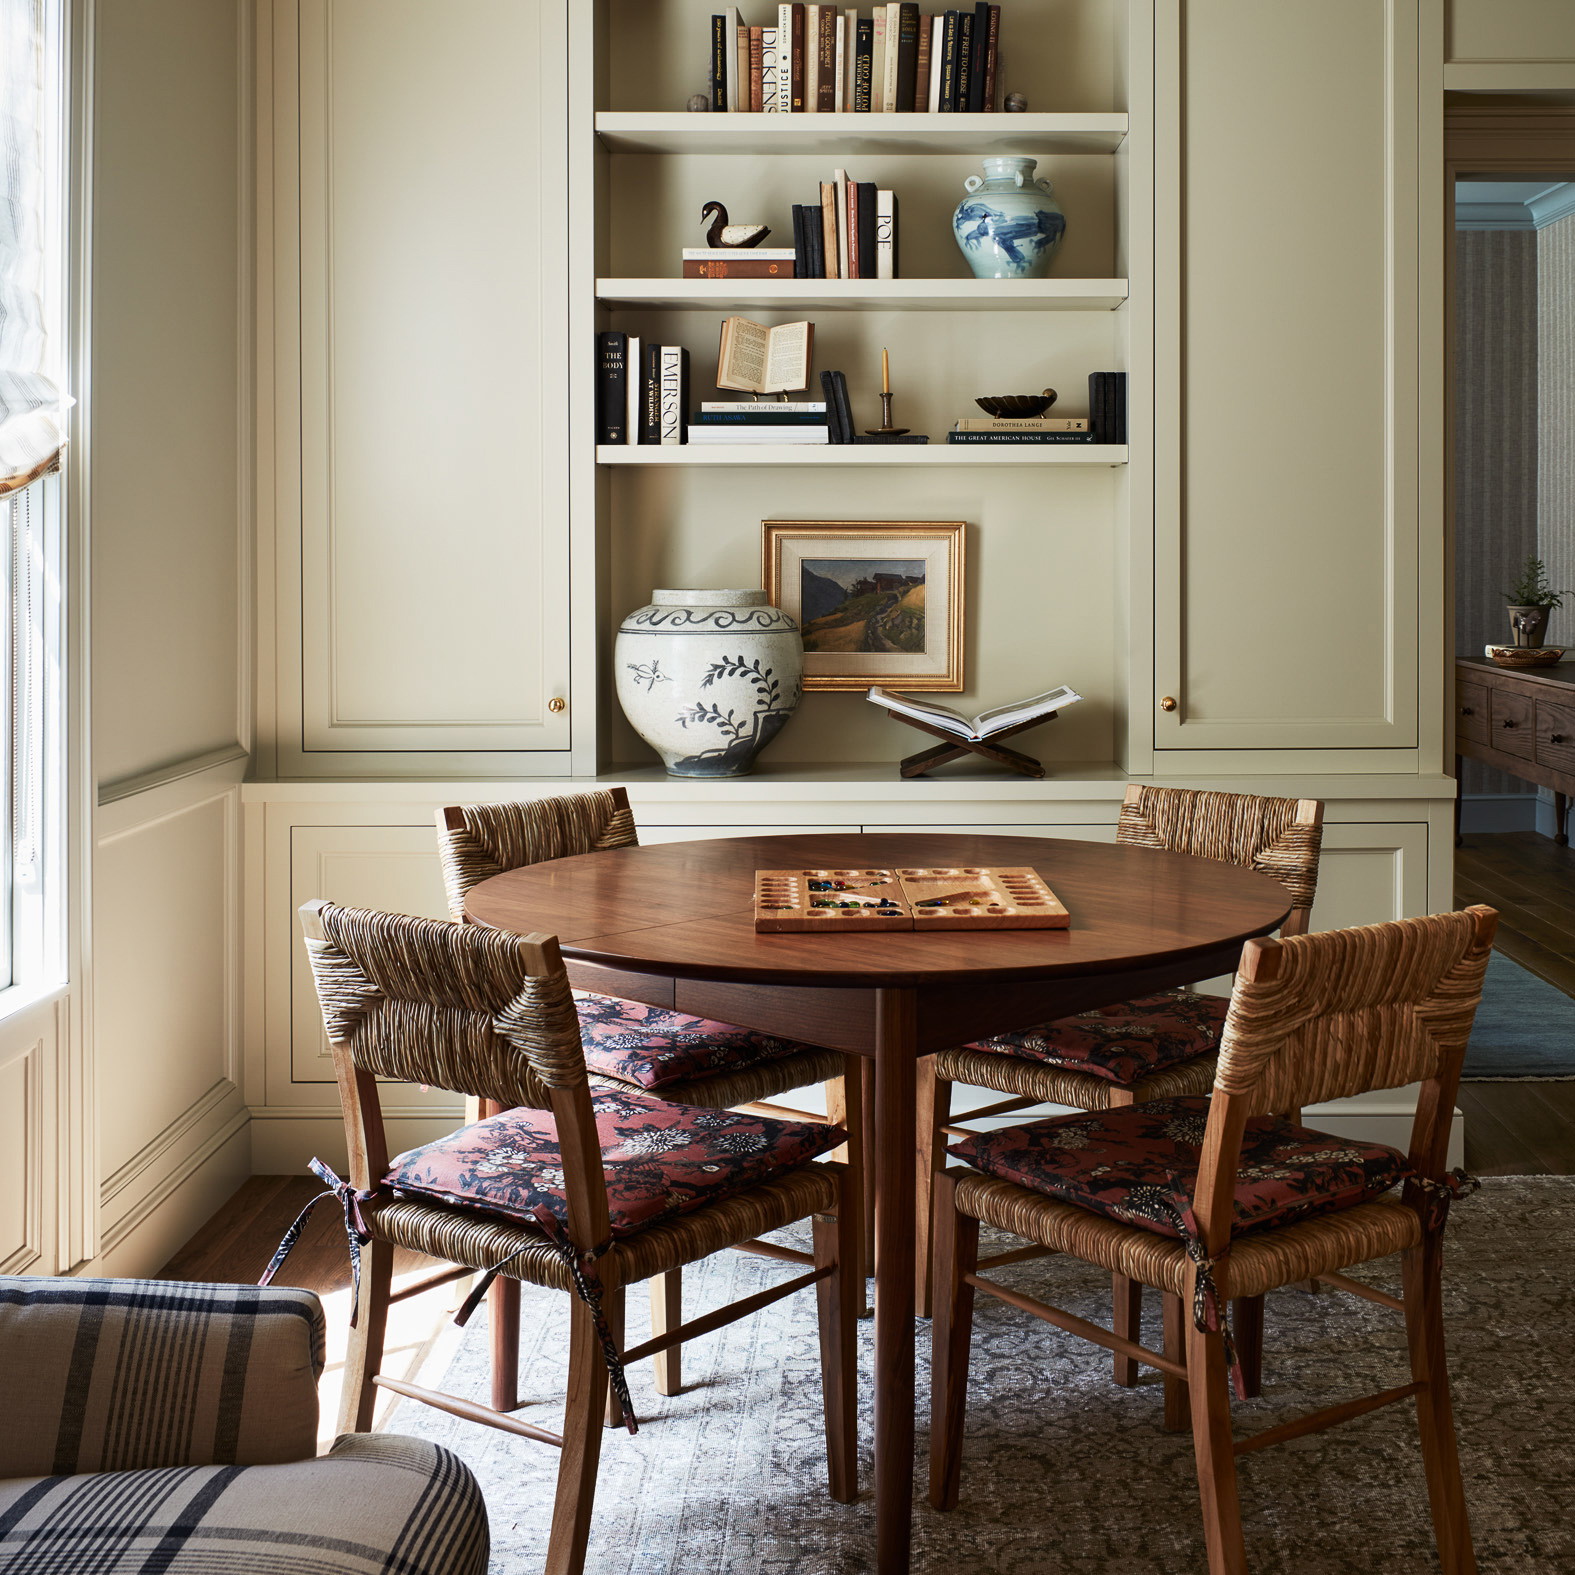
862,604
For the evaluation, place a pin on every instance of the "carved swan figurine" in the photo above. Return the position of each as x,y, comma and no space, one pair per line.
732,236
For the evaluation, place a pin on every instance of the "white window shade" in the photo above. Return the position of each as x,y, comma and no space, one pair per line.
33,406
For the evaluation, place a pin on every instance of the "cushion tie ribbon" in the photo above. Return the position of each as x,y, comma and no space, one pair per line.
587,1286
1439,1192
356,1233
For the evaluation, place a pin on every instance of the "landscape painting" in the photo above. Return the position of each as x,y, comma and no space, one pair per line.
862,604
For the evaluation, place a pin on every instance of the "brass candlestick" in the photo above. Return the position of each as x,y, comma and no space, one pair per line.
885,429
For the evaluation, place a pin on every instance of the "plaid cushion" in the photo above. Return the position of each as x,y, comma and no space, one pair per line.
376,1503
1122,1043
651,1046
1139,1164
660,1160
117,1375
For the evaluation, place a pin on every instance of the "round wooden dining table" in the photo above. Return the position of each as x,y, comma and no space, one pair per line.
673,925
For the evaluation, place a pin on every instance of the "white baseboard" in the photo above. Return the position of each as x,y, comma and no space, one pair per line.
285,1141
1485,813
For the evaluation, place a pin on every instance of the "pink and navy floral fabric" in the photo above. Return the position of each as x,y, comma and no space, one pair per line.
660,1160
651,1046
1139,1164
1122,1043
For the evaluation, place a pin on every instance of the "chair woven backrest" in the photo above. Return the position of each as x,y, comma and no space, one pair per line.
460,1007
1281,837
478,841
1345,1011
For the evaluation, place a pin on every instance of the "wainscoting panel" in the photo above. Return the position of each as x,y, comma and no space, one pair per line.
27,1060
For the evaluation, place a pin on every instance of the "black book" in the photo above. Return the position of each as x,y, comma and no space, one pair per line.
863,57
1118,407
880,437
839,424
948,99
800,244
1097,421
651,394
964,60
612,389
980,48
1018,437
907,57
720,43
815,239
866,211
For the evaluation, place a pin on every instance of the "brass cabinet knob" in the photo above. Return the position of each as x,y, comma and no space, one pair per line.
1168,703
557,704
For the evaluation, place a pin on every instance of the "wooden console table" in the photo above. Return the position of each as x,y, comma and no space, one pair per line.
1521,722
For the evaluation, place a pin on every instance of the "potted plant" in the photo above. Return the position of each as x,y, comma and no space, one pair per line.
1530,600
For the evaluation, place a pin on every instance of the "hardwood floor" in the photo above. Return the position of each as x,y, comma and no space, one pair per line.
1525,1128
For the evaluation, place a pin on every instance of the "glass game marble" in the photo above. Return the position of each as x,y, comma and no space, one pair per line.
1009,225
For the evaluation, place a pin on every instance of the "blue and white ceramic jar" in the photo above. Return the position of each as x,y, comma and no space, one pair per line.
1009,225
709,678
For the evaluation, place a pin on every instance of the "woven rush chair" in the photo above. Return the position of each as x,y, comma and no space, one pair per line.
1219,1198
673,1055
1159,1047
577,1191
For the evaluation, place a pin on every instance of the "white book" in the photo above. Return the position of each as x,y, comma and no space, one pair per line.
885,235
811,59
987,723
770,82
672,394
785,58
842,62
937,41
840,180
796,407
752,437
636,373
878,62
893,34
724,253
850,28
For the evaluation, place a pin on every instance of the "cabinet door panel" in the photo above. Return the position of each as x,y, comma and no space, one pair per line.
1286,548
433,321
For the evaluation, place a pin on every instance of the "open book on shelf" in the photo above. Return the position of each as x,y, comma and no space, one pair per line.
754,359
987,723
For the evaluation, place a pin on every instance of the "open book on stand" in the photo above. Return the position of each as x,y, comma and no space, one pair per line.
999,719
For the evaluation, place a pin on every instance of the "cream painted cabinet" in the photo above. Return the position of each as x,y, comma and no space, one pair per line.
1288,575
419,212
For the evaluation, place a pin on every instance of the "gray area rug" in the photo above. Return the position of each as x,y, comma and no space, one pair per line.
1064,1472
1524,1031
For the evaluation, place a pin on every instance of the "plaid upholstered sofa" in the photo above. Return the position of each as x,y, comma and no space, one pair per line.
148,1425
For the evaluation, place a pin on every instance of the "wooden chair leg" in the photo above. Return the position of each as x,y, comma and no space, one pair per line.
667,1312
845,1107
839,1297
867,1126
365,1354
503,1327
1246,1327
1420,1269
1178,1398
1211,1442
935,1103
613,1307
1126,1299
582,1447
956,1239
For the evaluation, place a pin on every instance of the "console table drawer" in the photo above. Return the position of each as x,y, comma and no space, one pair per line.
1514,723
1471,712
1556,735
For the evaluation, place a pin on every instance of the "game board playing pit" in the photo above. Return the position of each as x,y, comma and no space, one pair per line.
970,897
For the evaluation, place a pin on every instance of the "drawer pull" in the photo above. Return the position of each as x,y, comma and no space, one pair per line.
1466,710
1556,738
1509,721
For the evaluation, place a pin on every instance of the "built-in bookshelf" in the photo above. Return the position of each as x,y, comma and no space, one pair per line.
941,453
866,295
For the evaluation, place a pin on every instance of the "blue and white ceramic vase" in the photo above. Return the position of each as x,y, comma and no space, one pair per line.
709,678
1009,225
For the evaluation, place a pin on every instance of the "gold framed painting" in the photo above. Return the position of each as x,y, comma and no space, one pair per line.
879,601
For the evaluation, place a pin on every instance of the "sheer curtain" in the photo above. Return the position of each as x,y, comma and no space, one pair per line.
32,405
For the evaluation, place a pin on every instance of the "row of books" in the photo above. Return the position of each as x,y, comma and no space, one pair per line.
642,390
824,59
851,233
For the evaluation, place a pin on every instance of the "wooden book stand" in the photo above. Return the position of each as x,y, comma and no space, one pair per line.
954,748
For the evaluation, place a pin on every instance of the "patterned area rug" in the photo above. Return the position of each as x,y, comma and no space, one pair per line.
1524,1030
1064,1472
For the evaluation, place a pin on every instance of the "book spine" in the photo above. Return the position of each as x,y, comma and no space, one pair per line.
850,224
839,73
937,40
719,62
757,69
878,62
826,79
964,59
844,413
948,89
850,44
1118,406
738,98
784,59
907,56
651,396
864,208
893,46
671,395
1018,437
839,222
812,59
800,243
796,60
815,241
885,235
992,58
741,266
921,63
766,417
631,384
863,56
777,407
978,51
1022,424
612,350
770,83
831,252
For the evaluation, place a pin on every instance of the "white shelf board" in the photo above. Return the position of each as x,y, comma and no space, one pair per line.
941,453
682,132
867,295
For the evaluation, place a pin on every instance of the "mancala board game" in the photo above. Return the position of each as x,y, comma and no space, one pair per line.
969,897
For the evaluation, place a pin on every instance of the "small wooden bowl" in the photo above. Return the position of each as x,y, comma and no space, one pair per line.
1525,655
1016,407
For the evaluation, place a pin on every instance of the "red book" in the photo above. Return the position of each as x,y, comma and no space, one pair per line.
851,219
796,103
921,73
826,78
756,67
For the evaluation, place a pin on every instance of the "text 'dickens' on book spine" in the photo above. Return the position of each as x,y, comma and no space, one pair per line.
770,73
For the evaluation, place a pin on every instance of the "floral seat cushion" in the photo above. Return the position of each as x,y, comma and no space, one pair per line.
1139,1164
651,1046
660,1160
1122,1043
